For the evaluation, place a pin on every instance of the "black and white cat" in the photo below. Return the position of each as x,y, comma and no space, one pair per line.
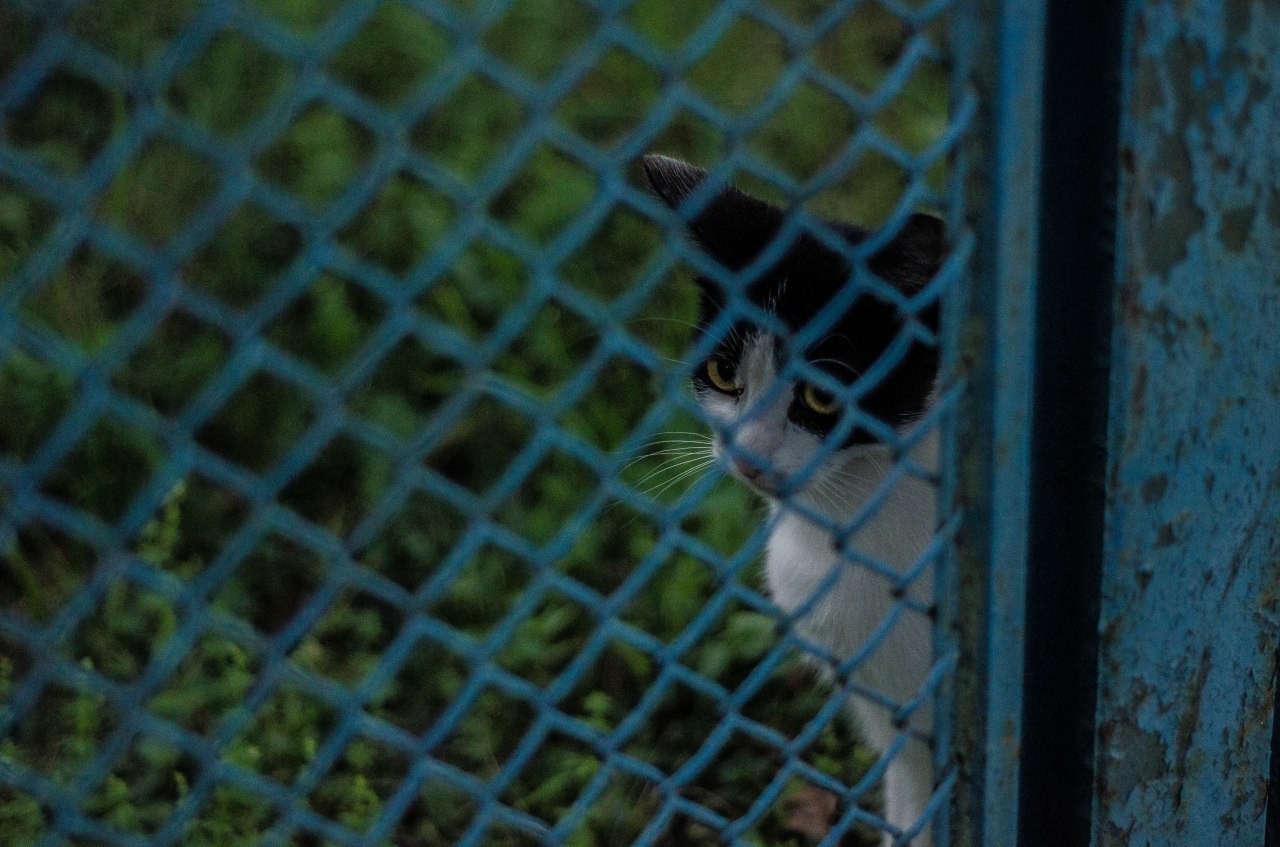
771,431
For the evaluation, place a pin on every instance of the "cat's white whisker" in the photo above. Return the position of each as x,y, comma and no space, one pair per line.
669,447
677,441
656,494
828,360
676,458
852,483
829,496
657,319
669,456
657,490
670,465
698,441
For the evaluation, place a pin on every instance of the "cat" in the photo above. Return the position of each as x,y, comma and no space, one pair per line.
770,426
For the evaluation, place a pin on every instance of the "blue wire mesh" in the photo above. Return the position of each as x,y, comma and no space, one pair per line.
320,524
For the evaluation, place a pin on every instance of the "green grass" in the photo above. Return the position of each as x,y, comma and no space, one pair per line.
234,82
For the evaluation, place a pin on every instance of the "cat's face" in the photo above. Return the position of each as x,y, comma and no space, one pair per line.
782,410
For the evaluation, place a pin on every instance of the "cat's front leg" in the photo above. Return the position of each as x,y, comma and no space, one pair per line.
907,790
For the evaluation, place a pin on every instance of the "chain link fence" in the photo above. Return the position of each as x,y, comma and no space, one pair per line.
340,346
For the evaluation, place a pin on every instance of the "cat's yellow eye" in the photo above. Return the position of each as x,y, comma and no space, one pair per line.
723,375
819,401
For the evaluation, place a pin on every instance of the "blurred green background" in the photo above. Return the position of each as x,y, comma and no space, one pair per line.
328,324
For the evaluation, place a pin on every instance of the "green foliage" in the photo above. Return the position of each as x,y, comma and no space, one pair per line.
331,326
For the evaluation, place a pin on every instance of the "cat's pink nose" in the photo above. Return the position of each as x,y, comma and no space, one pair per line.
747,469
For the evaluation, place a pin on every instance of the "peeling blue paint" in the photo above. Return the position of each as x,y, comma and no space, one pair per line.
1190,604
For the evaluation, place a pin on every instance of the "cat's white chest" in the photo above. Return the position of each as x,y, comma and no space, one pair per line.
850,604
842,606
806,576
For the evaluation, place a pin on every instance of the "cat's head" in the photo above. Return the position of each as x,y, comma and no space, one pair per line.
770,419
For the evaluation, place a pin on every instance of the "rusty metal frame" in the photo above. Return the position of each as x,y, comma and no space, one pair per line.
1190,596
988,458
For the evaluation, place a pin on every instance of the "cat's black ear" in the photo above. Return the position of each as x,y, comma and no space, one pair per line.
732,226
914,254
672,179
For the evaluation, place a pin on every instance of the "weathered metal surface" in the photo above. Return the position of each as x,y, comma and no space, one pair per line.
991,462
1190,606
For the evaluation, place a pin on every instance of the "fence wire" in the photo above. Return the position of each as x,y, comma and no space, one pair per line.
335,338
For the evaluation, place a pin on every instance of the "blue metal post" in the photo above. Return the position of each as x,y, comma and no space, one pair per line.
990,458
1190,597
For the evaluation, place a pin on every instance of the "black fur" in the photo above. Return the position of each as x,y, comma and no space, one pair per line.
735,227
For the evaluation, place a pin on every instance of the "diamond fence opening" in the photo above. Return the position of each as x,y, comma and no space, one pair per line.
353,489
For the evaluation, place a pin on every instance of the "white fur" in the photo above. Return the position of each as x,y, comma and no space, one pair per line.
802,555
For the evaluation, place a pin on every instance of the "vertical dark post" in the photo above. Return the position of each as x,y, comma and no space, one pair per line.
1073,321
